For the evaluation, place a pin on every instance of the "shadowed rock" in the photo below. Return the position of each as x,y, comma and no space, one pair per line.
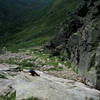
79,41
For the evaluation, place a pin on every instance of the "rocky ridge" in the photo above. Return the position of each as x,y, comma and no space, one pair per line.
79,41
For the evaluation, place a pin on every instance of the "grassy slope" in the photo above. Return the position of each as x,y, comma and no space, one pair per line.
13,13
43,25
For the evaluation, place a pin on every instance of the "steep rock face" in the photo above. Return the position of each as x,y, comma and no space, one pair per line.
79,41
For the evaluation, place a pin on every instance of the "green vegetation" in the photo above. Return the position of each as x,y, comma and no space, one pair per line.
41,26
12,97
77,33
91,98
48,61
41,58
75,70
1,61
32,98
15,14
26,63
44,58
2,76
68,64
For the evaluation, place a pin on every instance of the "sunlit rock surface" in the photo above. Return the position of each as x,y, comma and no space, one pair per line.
47,87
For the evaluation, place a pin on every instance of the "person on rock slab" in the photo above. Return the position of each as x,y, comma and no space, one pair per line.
32,72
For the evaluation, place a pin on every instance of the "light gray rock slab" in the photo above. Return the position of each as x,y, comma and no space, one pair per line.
6,88
47,87
5,67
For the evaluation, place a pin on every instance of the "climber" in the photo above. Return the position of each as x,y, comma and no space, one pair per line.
32,72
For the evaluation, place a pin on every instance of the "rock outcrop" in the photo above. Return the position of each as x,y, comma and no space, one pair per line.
7,71
48,87
22,85
6,90
79,41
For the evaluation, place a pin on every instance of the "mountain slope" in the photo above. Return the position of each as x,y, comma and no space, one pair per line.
42,25
13,13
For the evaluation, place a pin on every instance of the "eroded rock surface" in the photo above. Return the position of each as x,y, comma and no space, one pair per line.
6,89
79,41
8,67
47,87
16,56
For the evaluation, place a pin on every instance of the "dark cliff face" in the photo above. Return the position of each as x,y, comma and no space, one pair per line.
79,41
